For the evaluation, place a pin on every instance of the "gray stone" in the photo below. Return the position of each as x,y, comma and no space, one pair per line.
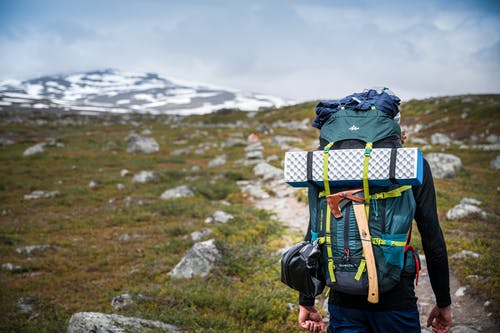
124,172
281,140
293,125
465,254
144,177
492,138
220,217
32,249
140,144
267,171
255,191
418,141
41,195
495,163
92,184
182,191
26,305
234,142
120,186
36,149
444,165
84,322
179,152
6,142
121,301
198,261
218,161
463,329
14,268
440,139
466,207
199,235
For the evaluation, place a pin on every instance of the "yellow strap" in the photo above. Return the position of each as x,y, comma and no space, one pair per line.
329,253
325,168
361,269
391,194
380,241
366,187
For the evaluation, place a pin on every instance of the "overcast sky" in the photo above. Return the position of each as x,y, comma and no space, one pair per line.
302,50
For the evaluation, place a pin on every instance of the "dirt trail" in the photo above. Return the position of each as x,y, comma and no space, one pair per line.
468,314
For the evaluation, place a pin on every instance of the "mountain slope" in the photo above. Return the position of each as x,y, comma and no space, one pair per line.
115,91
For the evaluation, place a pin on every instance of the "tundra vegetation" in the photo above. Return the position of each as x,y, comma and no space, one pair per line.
104,235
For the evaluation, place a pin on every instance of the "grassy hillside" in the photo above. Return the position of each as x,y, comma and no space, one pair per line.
90,260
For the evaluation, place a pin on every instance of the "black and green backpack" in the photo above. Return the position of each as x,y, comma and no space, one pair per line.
366,120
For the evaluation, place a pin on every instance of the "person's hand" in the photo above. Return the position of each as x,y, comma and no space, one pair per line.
440,319
310,319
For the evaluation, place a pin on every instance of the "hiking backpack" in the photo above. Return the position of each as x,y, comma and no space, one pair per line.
366,120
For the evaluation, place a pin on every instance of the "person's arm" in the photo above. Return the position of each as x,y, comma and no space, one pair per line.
435,250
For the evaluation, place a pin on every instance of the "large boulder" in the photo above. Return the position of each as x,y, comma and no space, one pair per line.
198,261
140,144
84,322
444,165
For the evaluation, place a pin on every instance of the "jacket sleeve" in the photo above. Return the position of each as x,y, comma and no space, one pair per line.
432,238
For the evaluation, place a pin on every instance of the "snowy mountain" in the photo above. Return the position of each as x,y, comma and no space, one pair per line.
115,91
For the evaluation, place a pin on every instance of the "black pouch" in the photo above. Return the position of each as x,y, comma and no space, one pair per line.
299,269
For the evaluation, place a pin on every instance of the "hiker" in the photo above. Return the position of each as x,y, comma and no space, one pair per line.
394,310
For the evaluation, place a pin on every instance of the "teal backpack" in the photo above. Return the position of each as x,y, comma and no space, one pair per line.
367,120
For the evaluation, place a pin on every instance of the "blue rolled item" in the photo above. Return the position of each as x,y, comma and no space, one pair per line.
364,101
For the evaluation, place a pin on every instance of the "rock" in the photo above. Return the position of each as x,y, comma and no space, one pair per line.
92,184
121,301
440,139
418,141
444,165
495,163
293,125
466,207
281,140
31,249
26,305
462,329
144,177
254,151
84,322
256,192
124,237
140,144
267,171
120,186
182,191
234,142
199,235
198,261
492,138
220,217
465,254
6,142
36,149
218,161
14,268
179,152
41,195
124,172
460,292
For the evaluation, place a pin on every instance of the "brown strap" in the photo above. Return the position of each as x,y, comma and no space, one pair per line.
366,242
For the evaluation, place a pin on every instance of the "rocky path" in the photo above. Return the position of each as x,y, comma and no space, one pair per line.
469,315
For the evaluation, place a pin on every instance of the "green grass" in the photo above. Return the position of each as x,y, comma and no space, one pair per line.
87,264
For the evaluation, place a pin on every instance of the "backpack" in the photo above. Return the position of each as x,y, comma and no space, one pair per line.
364,232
